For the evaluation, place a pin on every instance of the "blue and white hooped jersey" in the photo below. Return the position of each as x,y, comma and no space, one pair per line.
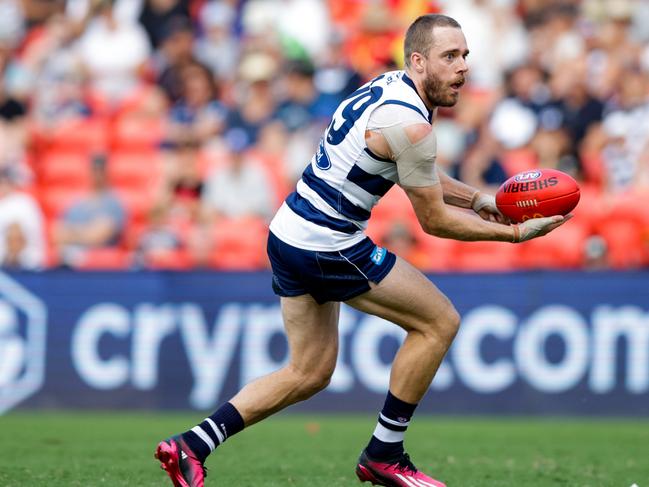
330,207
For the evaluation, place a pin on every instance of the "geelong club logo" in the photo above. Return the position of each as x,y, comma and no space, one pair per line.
22,343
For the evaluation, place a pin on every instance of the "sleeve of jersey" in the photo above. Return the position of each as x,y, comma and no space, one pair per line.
415,162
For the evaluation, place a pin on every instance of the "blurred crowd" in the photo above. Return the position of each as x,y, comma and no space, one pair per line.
164,134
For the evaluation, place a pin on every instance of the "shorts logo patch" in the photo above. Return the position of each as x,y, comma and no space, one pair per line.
378,255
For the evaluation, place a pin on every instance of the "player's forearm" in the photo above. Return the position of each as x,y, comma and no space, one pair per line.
458,225
456,193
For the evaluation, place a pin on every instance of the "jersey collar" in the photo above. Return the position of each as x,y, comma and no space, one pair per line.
406,79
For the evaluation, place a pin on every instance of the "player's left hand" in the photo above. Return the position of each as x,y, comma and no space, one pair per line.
485,205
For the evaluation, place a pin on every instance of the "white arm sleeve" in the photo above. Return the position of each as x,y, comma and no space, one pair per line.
415,162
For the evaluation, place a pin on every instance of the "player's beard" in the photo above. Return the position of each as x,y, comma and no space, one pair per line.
438,93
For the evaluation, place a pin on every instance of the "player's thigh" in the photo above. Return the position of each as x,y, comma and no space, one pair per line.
406,297
312,333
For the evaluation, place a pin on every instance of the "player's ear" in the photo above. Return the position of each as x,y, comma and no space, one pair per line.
417,61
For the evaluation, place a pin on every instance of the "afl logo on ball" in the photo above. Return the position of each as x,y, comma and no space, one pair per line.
527,176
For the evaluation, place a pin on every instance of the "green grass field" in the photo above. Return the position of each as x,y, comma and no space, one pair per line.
111,449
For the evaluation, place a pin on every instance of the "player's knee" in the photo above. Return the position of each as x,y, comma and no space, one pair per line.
317,382
445,325
313,381
451,323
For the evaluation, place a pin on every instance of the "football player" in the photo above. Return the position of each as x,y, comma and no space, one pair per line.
381,135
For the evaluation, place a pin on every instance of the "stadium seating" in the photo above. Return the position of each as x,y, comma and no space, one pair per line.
135,169
64,169
483,257
440,252
137,202
131,132
239,244
561,249
627,243
78,135
55,200
168,260
104,258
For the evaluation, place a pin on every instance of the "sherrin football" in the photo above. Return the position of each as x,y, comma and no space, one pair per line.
537,193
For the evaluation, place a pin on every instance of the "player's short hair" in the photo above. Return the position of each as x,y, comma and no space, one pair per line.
419,37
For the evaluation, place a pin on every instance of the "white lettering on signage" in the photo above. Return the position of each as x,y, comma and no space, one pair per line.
23,338
12,346
263,323
101,319
471,368
610,326
152,324
529,349
248,330
209,357
373,373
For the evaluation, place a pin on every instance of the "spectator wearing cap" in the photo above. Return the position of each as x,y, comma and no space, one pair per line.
22,243
96,220
240,188
303,113
302,104
255,103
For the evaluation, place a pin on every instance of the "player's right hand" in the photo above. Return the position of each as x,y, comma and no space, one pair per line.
537,227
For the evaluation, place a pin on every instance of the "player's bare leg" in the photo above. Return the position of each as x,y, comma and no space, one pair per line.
312,332
407,298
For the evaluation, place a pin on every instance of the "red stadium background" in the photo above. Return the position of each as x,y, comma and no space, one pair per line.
163,135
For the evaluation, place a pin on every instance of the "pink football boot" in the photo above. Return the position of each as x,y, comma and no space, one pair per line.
179,462
401,473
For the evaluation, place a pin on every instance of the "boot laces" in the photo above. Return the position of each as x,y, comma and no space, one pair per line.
405,465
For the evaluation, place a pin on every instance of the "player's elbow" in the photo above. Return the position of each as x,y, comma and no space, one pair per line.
434,229
436,225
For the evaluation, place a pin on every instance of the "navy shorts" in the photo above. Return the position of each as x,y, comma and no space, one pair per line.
327,276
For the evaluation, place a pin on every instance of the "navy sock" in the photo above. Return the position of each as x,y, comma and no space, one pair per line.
387,441
214,430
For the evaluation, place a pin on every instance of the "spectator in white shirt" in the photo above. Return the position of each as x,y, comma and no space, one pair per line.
239,189
114,52
22,242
